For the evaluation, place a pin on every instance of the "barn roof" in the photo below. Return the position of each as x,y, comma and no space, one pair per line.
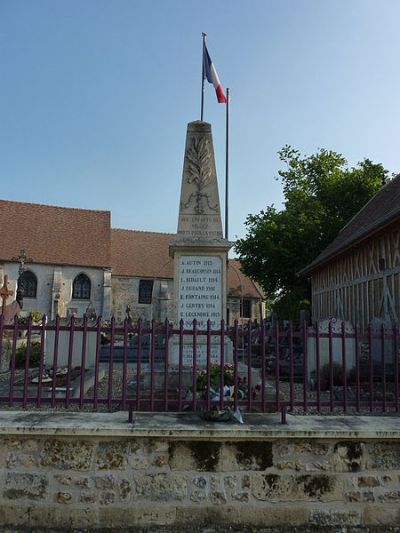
55,235
382,209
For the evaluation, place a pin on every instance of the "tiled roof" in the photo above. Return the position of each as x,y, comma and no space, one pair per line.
55,235
239,284
82,237
382,209
141,253
146,254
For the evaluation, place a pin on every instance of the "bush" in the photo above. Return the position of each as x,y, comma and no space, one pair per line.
34,355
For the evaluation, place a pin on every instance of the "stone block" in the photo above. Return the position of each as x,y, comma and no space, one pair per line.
251,516
201,456
384,455
389,496
64,497
14,515
88,497
112,455
114,517
251,455
67,454
368,481
162,487
29,486
308,456
333,517
349,457
64,517
381,515
274,487
104,482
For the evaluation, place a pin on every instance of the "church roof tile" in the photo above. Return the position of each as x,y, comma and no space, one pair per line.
55,235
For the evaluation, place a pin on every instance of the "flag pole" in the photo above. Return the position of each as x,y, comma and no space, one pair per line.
202,76
227,164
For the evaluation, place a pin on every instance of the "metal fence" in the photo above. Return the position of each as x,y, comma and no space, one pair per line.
258,367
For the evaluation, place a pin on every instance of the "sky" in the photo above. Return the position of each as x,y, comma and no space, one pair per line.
95,96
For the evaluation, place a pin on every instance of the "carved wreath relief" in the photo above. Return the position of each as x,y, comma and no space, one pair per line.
198,172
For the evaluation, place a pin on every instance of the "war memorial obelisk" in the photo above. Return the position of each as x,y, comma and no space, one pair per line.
199,250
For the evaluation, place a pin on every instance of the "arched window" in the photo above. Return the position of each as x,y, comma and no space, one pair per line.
81,288
28,283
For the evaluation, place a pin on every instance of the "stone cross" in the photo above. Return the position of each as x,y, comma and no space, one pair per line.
5,293
22,259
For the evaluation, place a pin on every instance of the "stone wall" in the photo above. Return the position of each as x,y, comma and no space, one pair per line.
54,284
88,481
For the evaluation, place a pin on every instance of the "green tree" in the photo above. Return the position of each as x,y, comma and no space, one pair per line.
321,195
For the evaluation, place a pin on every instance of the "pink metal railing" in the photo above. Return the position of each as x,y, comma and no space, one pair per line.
131,367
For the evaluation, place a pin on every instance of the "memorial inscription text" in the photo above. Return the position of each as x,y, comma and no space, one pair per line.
200,295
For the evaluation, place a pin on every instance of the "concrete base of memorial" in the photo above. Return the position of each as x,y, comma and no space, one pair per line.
88,470
201,350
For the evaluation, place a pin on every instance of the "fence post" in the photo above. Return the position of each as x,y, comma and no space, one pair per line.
396,367
13,357
317,365
305,367
235,364
344,367
263,370
357,367
180,364
138,362
97,363
125,363
249,368
330,367
166,363
111,364
69,365
194,375
371,370
55,361
83,363
222,366
41,363
27,357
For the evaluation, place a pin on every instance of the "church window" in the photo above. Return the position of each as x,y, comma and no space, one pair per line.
245,311
28,283
81,288
145,291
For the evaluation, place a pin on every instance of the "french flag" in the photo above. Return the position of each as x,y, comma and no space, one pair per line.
212,77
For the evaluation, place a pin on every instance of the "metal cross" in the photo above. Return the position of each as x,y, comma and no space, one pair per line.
22,259
5,293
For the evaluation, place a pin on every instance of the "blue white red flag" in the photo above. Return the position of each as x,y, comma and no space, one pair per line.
212,77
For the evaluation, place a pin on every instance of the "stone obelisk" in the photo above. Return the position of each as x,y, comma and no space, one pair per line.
199,249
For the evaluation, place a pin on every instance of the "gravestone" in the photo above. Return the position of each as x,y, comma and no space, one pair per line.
337,346
199,250
64,345
376,330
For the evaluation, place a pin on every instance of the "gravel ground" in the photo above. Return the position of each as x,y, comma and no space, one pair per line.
131,372
207,529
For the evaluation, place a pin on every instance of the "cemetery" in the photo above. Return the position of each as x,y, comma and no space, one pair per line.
138,422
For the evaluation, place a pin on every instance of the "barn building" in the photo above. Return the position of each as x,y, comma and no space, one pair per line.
357,277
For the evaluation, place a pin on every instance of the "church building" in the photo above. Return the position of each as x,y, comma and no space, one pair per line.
75,263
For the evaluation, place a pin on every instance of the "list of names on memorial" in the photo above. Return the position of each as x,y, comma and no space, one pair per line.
200,292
